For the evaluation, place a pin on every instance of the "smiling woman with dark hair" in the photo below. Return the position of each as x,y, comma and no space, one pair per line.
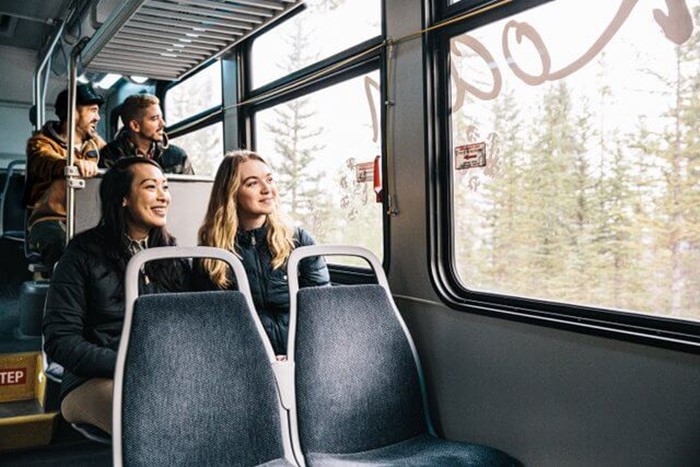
85,303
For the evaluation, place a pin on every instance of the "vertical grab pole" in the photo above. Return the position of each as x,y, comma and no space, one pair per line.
36,97
39,87
73,180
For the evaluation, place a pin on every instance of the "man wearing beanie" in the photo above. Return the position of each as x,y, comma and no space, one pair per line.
47,153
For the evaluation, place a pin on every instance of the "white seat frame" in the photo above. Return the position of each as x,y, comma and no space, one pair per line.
282,370
292,274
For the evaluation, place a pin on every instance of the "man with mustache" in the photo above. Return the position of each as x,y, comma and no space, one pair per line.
143,135
47,154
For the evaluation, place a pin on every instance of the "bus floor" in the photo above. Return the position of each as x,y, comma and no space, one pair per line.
68,448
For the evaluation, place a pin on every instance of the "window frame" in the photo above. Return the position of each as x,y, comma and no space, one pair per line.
207,116
200,120
444,10
371,62
628,326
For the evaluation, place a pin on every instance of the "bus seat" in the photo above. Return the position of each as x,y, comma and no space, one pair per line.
189,193
32,301
32,297
194,383
12,209
360,392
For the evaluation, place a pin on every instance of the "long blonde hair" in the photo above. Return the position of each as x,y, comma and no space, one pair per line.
221,220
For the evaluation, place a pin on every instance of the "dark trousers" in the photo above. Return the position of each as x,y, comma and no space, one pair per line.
48,238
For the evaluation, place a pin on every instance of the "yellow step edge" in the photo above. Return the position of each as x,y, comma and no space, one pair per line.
25,431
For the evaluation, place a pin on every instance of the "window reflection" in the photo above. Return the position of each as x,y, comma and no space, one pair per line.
322,147
196,94
590,185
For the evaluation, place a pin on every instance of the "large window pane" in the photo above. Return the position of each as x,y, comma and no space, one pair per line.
324,28
204,147
196,94
317,146
589,132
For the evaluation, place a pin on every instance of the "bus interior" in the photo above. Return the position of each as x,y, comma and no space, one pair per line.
527,173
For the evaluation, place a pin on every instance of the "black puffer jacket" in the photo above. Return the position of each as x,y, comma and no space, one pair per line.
269,287
85,309
171,158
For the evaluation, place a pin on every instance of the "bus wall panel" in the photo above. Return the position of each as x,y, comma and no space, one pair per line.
406,164
553,397
548,396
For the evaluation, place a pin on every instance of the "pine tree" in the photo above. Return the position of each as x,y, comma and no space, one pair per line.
294,136
614,257
675,157
558,174
503,188
621,263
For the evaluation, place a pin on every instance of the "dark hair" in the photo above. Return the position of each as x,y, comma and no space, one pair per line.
115,186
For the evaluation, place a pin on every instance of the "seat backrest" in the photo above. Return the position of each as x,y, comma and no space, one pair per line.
194,383
189,193
357,377
12,210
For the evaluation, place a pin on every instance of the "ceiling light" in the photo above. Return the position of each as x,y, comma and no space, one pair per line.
108,81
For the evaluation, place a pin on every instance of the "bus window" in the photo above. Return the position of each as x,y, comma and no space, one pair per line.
323,147
194,95
205,148
573,154
359,20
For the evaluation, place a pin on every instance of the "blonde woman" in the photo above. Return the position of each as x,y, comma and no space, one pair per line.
243,217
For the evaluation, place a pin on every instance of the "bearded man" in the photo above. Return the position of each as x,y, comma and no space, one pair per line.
143,134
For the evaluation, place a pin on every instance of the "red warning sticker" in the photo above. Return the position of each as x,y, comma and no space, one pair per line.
470,155
364,172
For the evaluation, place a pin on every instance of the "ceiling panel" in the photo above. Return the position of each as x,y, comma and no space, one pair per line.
169,39
26,23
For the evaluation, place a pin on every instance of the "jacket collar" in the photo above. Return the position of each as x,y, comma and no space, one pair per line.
132,246
51,129
246,238
90,147
154,151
